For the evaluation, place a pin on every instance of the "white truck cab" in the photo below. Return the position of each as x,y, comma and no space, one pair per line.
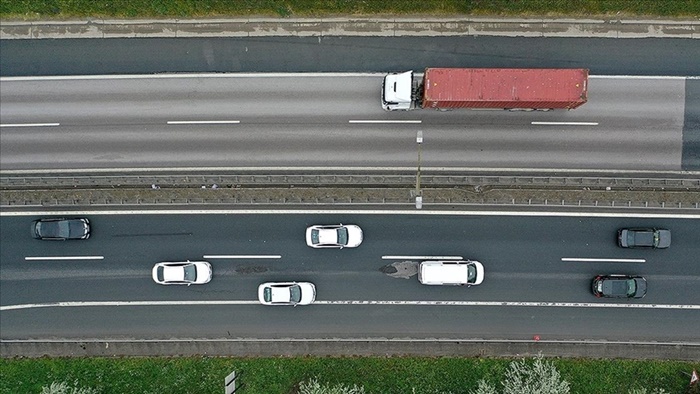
397,91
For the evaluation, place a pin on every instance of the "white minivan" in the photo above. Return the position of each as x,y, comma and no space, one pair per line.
455,273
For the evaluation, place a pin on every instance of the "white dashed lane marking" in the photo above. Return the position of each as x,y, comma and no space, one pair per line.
47,258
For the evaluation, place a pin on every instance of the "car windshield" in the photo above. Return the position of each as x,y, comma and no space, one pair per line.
267,294
190,272
295,293
471,273
631,287
343,236
159,272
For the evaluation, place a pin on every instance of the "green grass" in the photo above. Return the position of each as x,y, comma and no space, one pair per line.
40,9
279,375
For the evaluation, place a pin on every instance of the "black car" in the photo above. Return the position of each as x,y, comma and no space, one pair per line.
60,229
619,286
654,238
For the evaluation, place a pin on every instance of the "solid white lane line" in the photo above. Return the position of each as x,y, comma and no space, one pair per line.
123,303
541,304
385,121
642,77
35,258
582,214
566,123
195,75
274,75
362,339
516,304
458,170
585,259
204,121
423,257
29,124
242,256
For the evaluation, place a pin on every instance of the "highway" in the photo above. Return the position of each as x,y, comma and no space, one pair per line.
333,120
537,280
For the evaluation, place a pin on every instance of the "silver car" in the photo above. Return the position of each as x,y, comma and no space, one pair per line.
334,236
182,273
287,293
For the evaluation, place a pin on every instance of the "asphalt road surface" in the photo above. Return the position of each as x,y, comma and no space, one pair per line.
334,120
537,280
643,56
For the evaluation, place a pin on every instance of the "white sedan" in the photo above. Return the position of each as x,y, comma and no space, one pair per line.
182,273
334,236
287,293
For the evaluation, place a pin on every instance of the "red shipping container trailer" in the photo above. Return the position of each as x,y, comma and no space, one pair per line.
504,88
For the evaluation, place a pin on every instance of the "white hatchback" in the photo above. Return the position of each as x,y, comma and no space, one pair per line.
182,273
334,236
287,293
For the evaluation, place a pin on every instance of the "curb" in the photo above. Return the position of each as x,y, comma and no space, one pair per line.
336,27
351,348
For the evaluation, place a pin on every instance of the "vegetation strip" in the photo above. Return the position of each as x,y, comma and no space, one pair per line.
281,375
59,9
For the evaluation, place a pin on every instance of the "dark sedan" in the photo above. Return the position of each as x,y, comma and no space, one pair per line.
619,286
60,229
654,238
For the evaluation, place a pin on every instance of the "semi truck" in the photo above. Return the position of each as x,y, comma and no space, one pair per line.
524,89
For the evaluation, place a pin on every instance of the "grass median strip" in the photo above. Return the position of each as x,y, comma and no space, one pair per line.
280,375
42,9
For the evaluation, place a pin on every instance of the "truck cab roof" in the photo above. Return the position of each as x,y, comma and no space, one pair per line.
397,91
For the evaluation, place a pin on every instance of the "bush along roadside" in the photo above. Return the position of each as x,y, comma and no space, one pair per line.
352,375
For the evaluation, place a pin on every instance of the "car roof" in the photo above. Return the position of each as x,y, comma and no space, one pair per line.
328,236
280,294
445,271
644,237
617,286
174,273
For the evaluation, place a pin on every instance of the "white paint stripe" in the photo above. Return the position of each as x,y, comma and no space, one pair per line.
584,259
242,256
192,75
370,339
541,304
204,121
272,75
560,171
566,123
37,258
123,303
642,77
385,121
29,124
422,257
516,304
583,214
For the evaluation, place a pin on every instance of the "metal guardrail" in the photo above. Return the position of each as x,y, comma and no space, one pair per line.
427,203
438,191
180,181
